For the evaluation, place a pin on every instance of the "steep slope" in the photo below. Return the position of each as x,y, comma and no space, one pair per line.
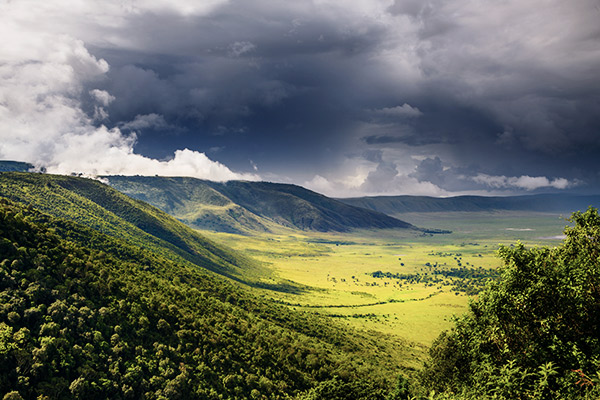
396,205
191,201
301,208
100,207
84,315
251,205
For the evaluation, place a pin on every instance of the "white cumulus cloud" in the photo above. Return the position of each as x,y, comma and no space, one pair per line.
102,97
405,110
522,182
42,121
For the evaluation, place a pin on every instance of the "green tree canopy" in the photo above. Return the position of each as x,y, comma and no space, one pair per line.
534,333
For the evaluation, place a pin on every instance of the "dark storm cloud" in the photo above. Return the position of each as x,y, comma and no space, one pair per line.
535,79
285,76
487,91
448,178
414,140
384,173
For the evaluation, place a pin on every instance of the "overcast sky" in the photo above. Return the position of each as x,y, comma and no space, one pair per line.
347,98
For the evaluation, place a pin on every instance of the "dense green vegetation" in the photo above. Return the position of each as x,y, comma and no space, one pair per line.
468,280
534,333
104,296
98,206
238,206
86,315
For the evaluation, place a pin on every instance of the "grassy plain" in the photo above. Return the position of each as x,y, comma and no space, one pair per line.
333,271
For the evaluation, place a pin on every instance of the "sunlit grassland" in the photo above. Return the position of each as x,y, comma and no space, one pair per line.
334,269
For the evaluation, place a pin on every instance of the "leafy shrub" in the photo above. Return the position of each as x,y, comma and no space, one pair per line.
535,333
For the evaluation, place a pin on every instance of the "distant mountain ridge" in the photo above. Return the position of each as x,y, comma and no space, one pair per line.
395,205
15,166
240,206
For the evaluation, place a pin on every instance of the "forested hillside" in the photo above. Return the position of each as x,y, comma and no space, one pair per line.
239,206
534,333
87,315
98,206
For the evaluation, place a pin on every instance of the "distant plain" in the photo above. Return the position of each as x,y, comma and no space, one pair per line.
333,271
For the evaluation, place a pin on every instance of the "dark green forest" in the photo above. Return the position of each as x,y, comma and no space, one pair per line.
103,296
95,205
84,314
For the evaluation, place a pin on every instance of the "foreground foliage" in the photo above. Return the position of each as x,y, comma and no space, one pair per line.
86,315
533,334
